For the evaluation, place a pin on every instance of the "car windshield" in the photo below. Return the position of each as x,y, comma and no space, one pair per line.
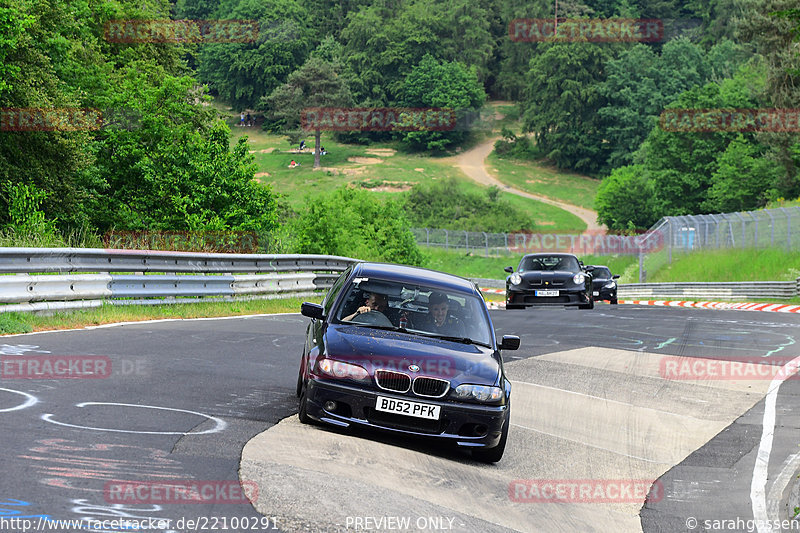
417,309
550,262
601,273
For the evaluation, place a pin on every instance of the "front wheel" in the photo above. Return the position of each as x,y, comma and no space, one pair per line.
492,455
614,301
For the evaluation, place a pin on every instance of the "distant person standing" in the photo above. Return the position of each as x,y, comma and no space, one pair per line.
241,120
249,120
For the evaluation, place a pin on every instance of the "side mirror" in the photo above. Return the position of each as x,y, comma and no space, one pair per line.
509,342
615,276
510,270
310,310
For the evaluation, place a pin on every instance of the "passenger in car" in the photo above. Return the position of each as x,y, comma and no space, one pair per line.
439,318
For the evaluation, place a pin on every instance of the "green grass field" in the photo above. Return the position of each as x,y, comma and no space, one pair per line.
730,265
536,178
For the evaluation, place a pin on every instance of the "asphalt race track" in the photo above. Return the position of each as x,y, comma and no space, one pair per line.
205,403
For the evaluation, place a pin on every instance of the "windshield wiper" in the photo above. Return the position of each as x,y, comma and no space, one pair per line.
463,340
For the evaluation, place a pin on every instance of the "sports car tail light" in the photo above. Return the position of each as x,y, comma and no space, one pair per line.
394,381
431,387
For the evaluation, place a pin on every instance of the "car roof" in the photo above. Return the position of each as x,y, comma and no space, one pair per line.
598,266
545,254
418,275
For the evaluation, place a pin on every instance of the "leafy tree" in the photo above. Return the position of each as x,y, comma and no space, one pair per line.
315,84
242,73
352,222
625,199
440,85
176,171
744,178
563,96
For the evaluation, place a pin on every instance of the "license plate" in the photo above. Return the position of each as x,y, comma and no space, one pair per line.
596,293
404,407
546,293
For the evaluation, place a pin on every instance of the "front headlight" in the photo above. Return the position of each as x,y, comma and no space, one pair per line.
610,285
515,279
579,278
480,393
338,369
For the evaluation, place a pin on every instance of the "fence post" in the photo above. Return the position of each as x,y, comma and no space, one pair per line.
755,229
466,240
486,240
446,240
641,266
772,227
507,248
669,250
744,237
427,237
788,229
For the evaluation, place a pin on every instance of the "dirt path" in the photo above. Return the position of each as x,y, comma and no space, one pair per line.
472,164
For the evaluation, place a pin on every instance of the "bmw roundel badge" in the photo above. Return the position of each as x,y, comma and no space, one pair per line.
414,368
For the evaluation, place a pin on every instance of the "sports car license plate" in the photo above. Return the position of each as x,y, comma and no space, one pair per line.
596,293
546,293
404,407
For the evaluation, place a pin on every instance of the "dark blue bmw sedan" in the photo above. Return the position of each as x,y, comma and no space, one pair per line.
407,350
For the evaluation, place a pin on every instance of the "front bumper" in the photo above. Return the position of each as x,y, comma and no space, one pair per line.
605,294
467,425
566,297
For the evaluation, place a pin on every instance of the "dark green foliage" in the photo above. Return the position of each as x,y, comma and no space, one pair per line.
444,204
563,97
518,147
626,199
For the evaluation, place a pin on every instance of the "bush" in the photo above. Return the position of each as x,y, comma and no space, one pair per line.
354,223
517,147
444,204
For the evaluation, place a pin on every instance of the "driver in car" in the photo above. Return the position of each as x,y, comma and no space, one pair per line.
375,302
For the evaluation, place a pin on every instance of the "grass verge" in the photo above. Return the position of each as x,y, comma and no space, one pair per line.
108,314
730,265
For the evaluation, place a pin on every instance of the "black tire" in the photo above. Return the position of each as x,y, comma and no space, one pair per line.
492,455
302,412
614,301
299,384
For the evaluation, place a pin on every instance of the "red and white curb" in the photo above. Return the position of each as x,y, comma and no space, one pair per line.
725,306
771,307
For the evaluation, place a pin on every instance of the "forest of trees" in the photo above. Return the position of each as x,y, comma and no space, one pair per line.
591,107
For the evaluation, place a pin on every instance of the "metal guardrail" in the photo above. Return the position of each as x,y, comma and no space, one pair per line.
783,290
126,277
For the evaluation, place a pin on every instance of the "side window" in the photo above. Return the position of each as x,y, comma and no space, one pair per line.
331,296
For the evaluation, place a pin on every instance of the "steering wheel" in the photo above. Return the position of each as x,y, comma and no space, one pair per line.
372,318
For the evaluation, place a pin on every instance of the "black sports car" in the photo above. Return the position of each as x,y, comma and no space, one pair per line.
549,279
604,286
407,350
